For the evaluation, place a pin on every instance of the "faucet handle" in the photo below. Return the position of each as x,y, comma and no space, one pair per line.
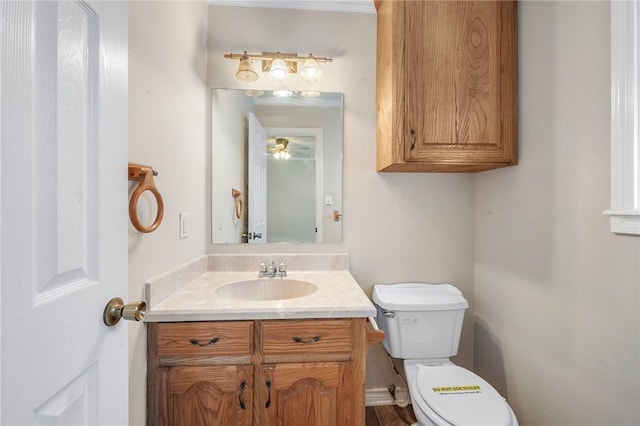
263,267
282,268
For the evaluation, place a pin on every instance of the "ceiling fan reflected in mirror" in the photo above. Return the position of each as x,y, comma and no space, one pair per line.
280,149
298,147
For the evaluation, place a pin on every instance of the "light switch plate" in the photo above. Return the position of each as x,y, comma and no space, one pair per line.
184,225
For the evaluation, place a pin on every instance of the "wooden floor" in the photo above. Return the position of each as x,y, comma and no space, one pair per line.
389,415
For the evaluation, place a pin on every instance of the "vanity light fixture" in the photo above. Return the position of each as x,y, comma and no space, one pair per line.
309,94
278,65
254,93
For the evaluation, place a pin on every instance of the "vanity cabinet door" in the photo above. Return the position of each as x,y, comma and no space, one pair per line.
446,85
210,395
317,394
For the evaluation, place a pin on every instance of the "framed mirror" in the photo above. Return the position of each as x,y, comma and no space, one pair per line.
276,167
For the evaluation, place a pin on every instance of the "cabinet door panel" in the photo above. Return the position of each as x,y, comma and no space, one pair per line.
318,394
215,395
455,84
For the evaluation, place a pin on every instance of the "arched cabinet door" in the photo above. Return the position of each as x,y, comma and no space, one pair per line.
307,393
210,395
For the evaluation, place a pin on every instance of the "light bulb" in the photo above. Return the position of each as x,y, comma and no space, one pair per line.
254,93
282,93
245,69
278,70
311,71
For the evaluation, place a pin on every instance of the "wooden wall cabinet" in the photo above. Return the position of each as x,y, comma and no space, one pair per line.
267,372
446,83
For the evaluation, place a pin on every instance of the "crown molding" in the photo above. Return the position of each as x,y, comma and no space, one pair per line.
358,6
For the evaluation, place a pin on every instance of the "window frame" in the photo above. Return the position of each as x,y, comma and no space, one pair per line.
624,211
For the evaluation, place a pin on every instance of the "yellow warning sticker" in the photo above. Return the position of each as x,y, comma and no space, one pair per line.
471,388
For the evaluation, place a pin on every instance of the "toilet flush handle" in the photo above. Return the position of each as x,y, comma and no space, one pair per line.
389,314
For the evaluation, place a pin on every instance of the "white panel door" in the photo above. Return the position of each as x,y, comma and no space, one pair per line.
257,181
63,223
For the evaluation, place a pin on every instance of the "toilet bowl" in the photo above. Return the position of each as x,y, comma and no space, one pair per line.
440,398
422,325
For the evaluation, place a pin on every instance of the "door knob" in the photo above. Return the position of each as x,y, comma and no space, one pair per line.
117,309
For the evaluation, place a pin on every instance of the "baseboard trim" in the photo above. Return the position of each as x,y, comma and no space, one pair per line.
381,396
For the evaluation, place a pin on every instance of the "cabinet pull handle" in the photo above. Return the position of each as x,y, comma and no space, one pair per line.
196,342
299,340
243,385
268,404
413,140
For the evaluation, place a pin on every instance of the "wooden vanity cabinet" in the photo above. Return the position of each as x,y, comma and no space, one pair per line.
288,372
446,83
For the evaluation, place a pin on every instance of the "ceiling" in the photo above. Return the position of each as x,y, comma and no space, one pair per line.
360,6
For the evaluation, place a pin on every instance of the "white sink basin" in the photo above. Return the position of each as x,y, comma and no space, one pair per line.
267,289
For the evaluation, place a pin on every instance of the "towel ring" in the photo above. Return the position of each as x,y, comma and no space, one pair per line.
237,195
144,175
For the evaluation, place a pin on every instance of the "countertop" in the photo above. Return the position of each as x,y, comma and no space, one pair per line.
338,296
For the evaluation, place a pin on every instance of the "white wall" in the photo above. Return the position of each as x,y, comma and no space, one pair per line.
397,227
167,129
556,294
229,124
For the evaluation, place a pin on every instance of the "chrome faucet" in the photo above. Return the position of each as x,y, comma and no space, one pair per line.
271,271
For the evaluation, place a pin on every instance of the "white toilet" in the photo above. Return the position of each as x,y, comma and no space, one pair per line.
422,325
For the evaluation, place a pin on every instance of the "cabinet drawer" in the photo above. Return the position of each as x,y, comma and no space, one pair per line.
313,336
205,338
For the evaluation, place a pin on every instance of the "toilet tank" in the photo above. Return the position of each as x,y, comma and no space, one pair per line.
420,321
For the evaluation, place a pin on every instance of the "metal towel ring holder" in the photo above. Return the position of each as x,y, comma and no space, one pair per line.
144,175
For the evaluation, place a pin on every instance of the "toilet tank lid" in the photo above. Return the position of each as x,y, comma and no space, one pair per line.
418,297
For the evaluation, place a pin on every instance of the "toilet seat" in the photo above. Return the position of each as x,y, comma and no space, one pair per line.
458,397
